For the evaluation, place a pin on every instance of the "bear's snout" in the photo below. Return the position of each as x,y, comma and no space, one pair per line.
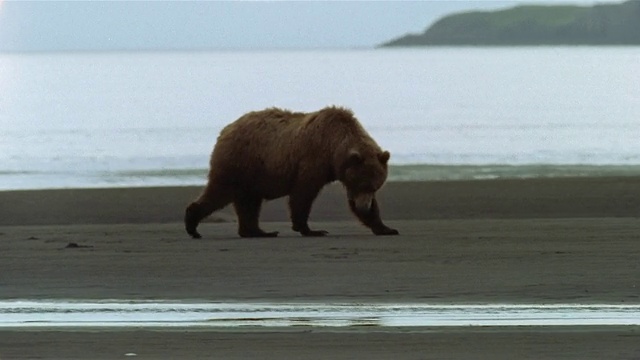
363,201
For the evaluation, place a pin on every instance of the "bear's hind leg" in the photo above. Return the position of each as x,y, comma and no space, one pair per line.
214,198
248,210
300,201
371,219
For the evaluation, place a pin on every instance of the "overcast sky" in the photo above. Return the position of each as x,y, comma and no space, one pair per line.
106,25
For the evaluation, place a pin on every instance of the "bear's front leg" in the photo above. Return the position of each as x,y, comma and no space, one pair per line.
371,218
300,201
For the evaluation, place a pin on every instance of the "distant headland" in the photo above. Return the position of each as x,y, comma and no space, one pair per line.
611,24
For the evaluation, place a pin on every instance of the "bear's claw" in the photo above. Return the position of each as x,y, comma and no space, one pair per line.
305,231
386,231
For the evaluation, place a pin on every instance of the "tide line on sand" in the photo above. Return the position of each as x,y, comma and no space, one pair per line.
122,313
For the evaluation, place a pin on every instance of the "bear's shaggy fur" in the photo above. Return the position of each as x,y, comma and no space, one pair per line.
274,152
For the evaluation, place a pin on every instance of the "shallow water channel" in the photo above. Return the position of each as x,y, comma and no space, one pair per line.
167,314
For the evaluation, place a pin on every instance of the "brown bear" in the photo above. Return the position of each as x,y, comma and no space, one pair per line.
272,153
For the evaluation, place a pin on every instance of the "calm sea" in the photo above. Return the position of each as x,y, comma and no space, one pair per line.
146,119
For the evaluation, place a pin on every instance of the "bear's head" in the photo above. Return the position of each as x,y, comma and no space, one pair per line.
364,173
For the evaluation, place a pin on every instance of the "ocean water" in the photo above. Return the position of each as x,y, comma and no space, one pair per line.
151,118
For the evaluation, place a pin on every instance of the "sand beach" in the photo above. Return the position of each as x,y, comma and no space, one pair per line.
541,241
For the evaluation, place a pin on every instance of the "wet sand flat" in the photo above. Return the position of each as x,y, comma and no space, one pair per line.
457,343
439,261
499,241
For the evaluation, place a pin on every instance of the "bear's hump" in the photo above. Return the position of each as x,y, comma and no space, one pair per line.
337,113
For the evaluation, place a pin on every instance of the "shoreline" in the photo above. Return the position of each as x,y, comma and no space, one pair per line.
410,172
577,197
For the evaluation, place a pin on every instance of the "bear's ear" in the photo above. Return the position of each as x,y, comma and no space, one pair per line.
384,157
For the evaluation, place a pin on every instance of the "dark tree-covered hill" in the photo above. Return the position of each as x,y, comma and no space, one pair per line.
614,24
